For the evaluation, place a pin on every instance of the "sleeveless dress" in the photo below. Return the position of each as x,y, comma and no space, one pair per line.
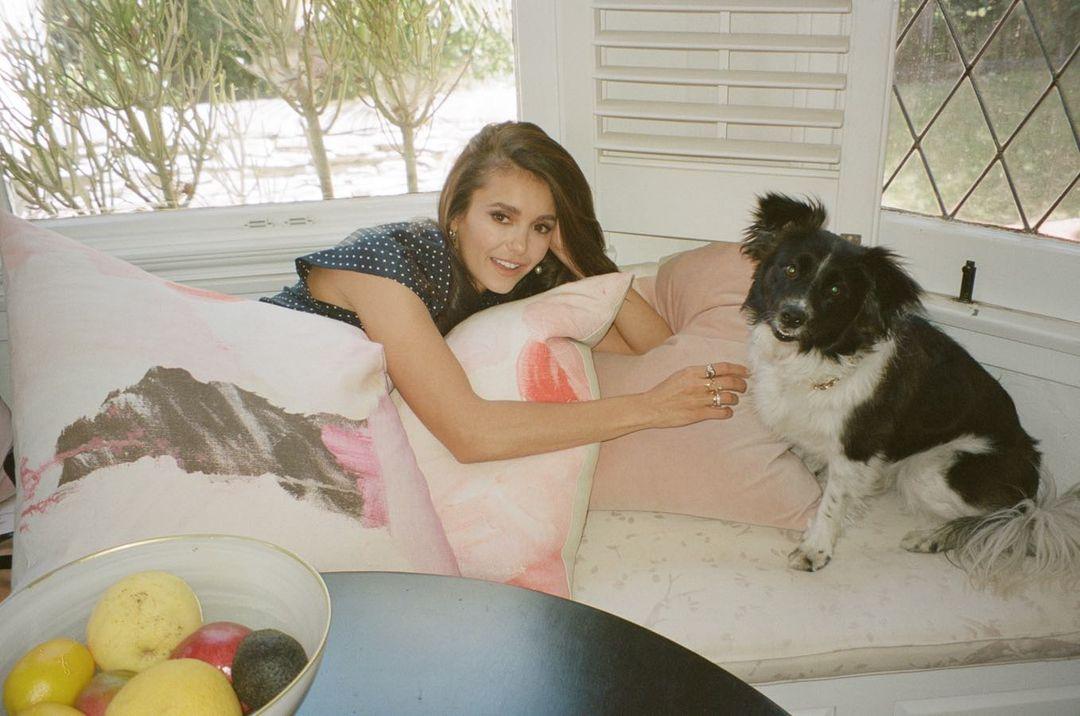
413,253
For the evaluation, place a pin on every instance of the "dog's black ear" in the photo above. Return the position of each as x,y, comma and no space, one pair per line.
895,291
774,214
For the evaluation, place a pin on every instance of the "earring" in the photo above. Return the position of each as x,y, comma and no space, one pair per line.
452,235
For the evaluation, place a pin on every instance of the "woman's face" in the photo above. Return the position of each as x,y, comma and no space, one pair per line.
506,230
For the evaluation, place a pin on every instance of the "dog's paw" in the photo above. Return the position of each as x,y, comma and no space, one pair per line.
808,560
921,541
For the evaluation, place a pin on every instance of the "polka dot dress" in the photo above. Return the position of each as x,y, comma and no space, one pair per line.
415,254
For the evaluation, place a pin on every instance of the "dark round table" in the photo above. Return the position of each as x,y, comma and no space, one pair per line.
413,643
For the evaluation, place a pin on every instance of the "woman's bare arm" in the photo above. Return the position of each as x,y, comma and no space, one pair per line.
432,381
637,329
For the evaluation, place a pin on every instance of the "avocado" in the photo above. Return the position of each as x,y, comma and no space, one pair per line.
265,662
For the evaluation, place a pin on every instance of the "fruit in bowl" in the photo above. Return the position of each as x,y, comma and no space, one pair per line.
266,662
54,671
96,696
177,686
215,643
141,619
148,600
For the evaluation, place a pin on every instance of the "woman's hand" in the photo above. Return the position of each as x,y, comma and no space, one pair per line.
691,395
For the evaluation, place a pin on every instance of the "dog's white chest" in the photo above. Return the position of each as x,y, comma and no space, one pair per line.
806,398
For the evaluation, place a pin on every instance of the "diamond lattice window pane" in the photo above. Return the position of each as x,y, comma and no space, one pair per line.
1043,159
958,146
927,66
992,202
1064,221
908,8
911,189
1009,121
1069,84
1012,74
973,21
899,139
1058,23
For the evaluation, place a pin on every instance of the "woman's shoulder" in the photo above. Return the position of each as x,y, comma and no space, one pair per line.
412,253
419,234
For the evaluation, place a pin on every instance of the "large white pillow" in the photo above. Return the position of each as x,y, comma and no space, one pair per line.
144,408
520,521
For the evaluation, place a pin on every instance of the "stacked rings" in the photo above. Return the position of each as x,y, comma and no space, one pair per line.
710,373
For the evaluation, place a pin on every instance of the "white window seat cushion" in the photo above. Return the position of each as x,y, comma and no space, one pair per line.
723,590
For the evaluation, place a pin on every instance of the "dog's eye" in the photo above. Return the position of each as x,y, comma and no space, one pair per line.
791,271
834,290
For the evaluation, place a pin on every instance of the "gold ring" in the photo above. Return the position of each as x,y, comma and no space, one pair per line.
716,400
710,371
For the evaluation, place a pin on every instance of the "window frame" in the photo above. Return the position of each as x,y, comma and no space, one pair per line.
249,250
243,250
1014,270
218,248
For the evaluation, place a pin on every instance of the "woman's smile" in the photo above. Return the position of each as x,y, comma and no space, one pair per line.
508,267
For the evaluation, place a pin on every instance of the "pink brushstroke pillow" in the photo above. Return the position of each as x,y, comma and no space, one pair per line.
143,407
519,521
727,469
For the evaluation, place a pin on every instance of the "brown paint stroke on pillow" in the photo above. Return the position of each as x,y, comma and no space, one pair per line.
218,428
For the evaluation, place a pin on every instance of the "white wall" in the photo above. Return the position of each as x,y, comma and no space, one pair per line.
1051,413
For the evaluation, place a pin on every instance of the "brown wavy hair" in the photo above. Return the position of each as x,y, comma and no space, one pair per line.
525,146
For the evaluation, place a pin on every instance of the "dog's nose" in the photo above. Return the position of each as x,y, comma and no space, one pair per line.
792,317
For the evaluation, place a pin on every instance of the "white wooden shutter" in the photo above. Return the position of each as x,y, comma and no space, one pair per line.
681,111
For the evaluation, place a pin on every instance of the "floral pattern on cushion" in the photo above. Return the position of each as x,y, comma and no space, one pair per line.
723,590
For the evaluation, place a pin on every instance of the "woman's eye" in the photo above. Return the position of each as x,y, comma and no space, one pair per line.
790,271
500,217
542,228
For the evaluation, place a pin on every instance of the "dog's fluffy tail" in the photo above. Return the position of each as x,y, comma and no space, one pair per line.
1035,540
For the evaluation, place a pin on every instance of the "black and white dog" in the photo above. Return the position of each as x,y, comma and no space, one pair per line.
870,394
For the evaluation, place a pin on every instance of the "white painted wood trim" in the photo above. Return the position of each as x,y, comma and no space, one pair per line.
739,114
721,41
218,248
731,78
997,689
1026,274
725,5
701,147
869,78
537,47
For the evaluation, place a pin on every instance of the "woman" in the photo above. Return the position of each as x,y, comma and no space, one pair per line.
515,218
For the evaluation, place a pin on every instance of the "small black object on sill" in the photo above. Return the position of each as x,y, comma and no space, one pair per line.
967,282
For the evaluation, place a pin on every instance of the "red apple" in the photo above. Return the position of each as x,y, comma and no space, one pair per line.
96,695
215,643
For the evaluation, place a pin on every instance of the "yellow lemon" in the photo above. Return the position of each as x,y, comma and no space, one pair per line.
46,708
177,687
140,619
54,671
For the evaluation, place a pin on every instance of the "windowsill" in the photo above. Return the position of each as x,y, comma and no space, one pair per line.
1034,277
1038,346
242,250
1030,328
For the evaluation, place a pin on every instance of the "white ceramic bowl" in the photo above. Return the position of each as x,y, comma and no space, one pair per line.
238,579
